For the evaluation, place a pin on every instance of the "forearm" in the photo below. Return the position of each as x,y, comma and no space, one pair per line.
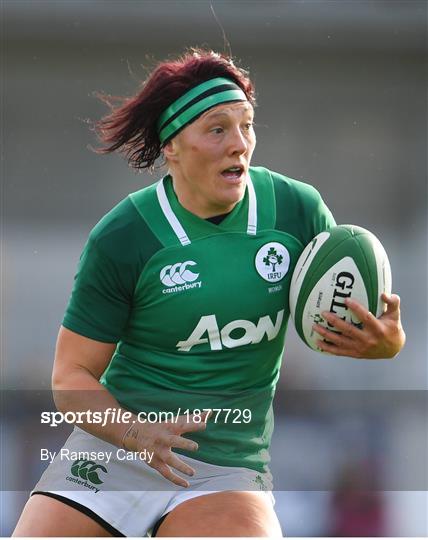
80,391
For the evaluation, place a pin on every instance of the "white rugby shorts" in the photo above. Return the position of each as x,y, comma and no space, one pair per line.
128,496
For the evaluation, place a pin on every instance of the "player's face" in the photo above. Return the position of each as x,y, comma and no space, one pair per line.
209,159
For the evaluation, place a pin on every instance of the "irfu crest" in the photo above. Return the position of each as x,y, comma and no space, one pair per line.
272,261
272,258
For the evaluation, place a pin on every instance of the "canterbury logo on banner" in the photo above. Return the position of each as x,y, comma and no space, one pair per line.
178,277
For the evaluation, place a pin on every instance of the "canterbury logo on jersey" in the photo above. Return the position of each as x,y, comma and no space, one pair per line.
207,331
178,277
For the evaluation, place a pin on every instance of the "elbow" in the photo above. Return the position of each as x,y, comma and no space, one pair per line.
58,380
64,386
59,390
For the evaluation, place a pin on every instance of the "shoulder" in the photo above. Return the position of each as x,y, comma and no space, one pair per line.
286,187
122,234
300,209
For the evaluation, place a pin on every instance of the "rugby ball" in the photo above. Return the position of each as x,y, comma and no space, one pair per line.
344,262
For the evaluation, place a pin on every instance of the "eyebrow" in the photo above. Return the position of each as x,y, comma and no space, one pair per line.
222,113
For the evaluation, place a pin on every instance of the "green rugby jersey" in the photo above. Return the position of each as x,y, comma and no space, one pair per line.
198,310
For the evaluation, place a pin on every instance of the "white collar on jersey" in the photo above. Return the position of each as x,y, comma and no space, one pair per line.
178,228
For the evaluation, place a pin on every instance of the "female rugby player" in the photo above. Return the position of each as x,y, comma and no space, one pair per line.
180,304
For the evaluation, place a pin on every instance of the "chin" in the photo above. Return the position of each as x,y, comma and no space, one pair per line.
239,191
232,197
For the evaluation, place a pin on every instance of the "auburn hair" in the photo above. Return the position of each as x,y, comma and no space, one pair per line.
130,127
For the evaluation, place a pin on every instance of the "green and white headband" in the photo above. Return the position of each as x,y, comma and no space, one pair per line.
195,102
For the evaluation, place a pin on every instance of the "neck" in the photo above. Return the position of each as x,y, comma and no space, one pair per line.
194,204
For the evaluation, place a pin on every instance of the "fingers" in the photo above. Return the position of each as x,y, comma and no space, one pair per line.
363,314
373,338
166,459
347,329
342,335
164,436
344,338
161,437
178,464
337,339
166,472
331,348
191,426
175,441
335,343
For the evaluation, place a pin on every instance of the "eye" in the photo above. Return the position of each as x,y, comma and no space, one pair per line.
217,130
248,125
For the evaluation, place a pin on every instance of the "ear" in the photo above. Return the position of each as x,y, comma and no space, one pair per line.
171,150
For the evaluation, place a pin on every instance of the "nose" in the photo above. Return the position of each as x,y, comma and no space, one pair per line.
238,142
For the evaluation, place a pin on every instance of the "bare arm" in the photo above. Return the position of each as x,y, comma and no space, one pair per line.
79,363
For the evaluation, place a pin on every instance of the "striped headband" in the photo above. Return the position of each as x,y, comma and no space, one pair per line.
195,102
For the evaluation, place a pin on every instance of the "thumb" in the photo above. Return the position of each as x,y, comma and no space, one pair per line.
392,306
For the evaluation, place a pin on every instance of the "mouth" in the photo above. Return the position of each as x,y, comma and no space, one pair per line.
233,174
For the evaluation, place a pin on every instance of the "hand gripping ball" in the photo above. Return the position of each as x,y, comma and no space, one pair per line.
344,262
